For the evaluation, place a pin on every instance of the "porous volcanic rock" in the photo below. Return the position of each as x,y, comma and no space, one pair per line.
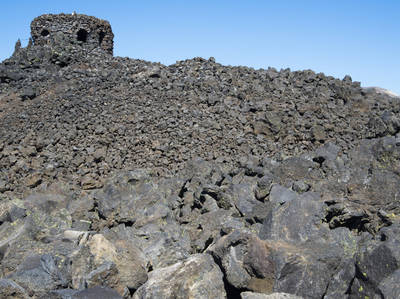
131,179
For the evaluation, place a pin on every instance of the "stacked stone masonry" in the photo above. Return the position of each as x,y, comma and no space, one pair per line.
90,32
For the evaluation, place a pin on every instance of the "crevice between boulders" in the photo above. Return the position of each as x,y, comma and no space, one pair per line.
231,291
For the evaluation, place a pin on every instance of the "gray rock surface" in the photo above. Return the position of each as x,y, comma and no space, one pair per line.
10,289
246,262
196,277
251,295
388,285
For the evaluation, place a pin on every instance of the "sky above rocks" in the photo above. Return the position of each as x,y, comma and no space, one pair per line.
359,38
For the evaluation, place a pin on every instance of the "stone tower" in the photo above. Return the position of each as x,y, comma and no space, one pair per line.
88,32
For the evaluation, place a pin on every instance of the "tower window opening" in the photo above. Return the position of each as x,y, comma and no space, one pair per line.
101,37
44,32
82,35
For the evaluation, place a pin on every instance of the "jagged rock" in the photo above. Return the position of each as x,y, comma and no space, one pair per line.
246,262
28,93
309,270
242,197
119,265
196,277
375,264
3,186
312,249
135,199
263,187
89,293
10,211
375,163
39,274
89,183
61,294
327,152
298,220
341,281
280,195
96,292
251,295
388,286
300,186
33,180
9,289
163,245
296,168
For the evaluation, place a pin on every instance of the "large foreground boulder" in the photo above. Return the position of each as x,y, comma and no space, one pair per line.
196,277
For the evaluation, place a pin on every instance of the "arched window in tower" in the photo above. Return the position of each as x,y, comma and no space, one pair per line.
44,32
101,37
82,35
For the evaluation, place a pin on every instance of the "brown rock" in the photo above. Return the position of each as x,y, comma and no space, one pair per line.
246,260
118,265
33,180
318,133
28,151
197,277
9,289
89,183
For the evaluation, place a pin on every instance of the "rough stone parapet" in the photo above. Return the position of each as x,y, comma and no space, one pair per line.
87,31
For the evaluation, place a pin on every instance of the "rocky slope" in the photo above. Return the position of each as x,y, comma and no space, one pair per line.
121,177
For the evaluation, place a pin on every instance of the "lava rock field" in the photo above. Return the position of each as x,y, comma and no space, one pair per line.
122,178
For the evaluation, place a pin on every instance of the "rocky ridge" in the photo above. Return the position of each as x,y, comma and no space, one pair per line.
125,178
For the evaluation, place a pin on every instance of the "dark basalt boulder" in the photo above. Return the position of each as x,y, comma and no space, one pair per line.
38,275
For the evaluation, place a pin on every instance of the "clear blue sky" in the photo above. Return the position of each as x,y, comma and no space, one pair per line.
359,37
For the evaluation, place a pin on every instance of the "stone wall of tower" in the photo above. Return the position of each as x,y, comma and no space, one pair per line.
86,31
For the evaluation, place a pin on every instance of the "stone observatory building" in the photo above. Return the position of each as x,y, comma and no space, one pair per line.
87,31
